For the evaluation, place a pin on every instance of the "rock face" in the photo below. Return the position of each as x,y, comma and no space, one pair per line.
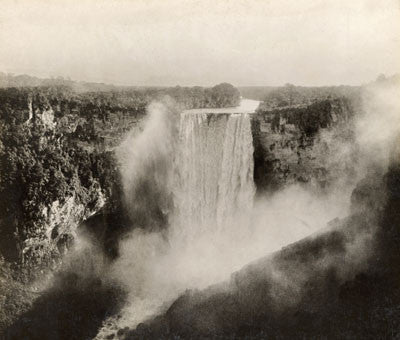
51,179
312,144
336,284
56,150
55,233
46,116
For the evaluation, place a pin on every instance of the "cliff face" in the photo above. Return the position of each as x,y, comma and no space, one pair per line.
339,283
51,178
54,234
311,144
57,163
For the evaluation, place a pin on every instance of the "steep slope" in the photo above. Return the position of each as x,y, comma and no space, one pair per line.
340,283
57,169
313,144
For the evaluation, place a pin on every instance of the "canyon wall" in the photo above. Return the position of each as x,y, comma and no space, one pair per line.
313,144
57,164
57,145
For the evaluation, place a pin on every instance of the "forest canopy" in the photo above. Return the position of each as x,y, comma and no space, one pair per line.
56,141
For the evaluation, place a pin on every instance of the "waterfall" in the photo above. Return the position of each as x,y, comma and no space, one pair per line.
209,228
214,170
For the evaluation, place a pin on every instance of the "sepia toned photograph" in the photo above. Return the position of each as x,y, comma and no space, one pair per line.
199,169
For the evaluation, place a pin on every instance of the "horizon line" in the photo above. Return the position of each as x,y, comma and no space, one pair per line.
68,79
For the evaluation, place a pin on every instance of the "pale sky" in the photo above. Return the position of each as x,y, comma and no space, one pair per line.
202,42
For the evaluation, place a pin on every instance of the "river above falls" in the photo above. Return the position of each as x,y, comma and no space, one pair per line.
246,106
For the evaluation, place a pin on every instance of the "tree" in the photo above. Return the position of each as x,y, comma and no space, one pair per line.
225,95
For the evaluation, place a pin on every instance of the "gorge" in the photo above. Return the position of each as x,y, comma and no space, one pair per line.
189,240
199,169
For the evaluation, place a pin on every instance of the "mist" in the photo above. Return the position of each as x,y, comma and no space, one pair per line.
378,126
156,267
202,219
145,160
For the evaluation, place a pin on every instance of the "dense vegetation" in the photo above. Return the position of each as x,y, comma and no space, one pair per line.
311,118
221,95
38,166
276,97
56,142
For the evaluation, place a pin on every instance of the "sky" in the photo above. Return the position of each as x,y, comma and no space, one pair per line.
202,42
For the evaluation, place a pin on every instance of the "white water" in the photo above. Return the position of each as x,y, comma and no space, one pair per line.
214,171
213,192
214,229
246,106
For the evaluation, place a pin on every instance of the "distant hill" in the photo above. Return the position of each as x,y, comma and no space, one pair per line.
24,80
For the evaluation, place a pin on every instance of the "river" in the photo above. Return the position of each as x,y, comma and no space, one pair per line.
246,106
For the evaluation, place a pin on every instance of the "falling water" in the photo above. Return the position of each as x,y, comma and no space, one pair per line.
214,170
213,193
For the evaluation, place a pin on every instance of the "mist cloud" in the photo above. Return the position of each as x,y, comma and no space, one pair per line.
156,267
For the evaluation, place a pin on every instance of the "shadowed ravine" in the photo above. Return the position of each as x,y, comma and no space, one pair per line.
310,289
212,188
193,253
199,170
